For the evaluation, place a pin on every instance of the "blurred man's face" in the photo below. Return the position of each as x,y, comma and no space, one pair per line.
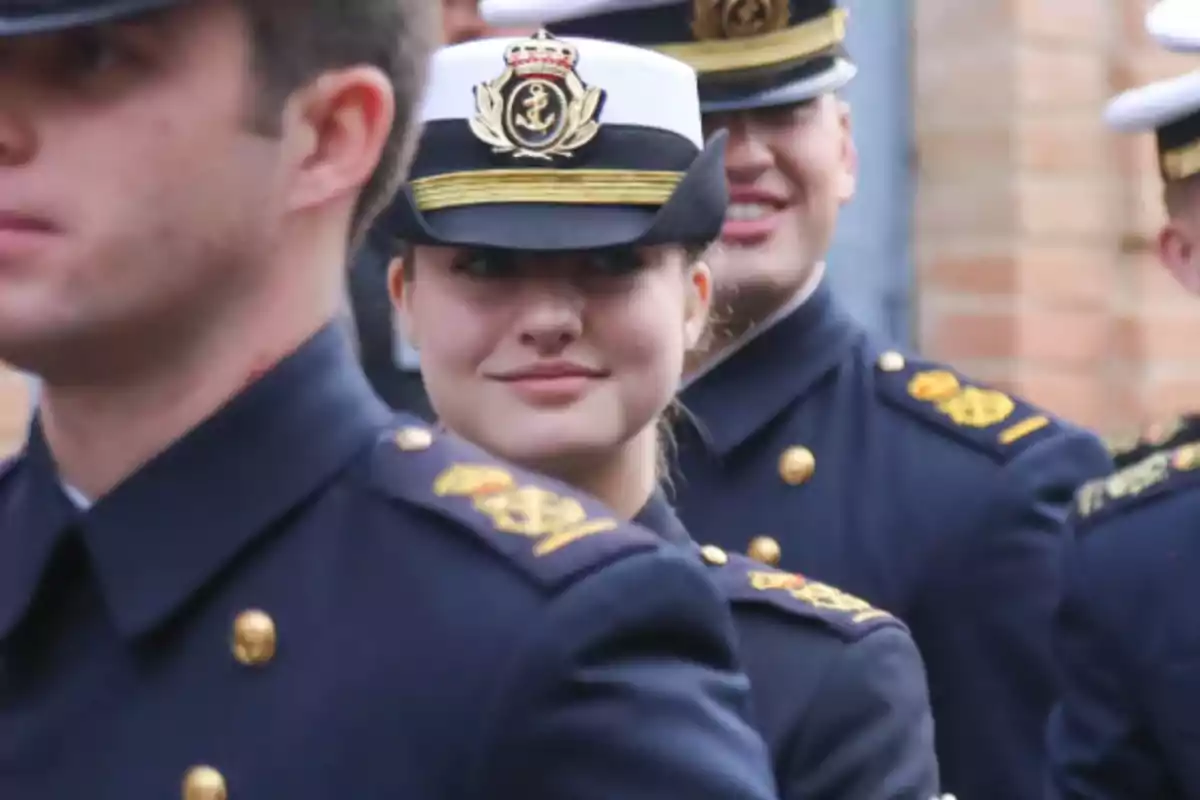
461,23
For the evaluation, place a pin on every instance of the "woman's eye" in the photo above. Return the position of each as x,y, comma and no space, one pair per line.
484,264
615,263
93,52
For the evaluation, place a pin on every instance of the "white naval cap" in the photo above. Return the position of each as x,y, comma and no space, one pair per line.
1171,109
636,83
543,143
513,13
749,53
1175,24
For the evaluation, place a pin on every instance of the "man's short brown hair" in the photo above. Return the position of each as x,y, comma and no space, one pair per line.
294,42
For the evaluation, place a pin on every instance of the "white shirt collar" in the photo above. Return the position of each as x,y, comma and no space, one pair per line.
77,498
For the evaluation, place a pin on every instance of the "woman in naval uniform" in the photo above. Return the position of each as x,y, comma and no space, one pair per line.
557,210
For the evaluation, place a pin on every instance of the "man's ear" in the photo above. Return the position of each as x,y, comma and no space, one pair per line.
335,130
848,177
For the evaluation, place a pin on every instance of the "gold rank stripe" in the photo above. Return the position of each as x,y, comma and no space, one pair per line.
764,50
591,187
1023,428
1181,162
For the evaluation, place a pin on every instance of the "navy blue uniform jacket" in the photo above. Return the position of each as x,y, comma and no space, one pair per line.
838,686
925,493
299,600
1128,637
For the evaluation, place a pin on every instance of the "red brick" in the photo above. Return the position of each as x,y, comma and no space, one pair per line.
1056,79
1067,276
1171,336
1080,22
1061,209
1074,396
1062,143
965,154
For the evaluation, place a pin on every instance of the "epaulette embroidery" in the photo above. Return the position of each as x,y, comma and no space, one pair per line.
550,519
746,581
988,418
1128,448
1152,476
532,520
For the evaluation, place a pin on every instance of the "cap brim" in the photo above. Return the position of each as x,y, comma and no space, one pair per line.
693,213
12,25
541,227
1175,26
720,97
1154,105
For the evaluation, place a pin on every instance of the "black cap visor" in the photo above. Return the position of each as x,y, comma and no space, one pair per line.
692,214
25,17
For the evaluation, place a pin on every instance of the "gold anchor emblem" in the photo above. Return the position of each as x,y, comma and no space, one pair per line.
538,107
535,103
735,19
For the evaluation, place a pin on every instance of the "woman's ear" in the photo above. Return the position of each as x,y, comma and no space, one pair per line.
400,291
1178,251
698,304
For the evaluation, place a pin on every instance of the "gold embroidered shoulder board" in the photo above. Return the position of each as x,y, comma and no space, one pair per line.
988,419
1157,475
551,532
744,580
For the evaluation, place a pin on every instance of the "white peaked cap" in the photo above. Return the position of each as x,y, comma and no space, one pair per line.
1175,24
1149,107
642,88
547,12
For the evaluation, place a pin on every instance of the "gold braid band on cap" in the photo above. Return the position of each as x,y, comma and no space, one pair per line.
1181,162
590,187
764,50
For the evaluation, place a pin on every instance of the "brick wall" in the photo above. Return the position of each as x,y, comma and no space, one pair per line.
1032,220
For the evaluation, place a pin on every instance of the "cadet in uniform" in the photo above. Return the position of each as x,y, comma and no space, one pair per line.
1128,724
1176,26
819,448
552,228
225,570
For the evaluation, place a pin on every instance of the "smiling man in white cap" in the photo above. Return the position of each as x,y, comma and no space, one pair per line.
1126,726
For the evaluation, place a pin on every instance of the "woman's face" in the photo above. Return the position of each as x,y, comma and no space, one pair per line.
549,359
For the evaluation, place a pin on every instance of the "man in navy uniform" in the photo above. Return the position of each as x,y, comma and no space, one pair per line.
1174,24
1127,725
224,569
824,450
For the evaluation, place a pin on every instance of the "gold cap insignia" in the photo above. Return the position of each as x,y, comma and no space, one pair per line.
538,107
736,19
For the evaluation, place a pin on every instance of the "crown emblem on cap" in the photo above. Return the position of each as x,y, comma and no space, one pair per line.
734,19
538,107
